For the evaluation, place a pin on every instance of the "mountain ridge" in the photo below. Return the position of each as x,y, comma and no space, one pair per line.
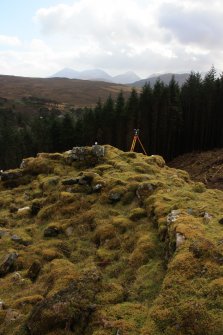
96,74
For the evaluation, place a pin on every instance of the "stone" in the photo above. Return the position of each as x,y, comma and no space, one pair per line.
180,239
51,232
98,150
80,153
23,164
89,155
34,270
70,181
24,211
207,217
17,239
8,263
114,197
96,188
173,215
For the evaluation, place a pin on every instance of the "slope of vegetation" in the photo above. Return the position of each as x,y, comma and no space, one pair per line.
206,167
116,245
72,91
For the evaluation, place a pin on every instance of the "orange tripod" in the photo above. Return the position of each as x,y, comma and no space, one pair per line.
135,138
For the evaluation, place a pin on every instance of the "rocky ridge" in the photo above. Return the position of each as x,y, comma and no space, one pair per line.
96,242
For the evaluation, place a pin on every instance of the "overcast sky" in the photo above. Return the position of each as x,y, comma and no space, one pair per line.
40,37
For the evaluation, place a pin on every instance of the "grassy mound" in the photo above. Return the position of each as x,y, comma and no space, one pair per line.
123,246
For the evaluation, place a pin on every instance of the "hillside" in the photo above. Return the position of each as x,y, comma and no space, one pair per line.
206,167
78,93
114,244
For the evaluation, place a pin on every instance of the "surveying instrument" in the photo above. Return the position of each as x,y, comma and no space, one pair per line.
135,139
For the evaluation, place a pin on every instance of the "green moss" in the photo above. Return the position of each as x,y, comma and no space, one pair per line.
121,257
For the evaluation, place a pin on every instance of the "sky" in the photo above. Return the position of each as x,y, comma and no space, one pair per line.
40,37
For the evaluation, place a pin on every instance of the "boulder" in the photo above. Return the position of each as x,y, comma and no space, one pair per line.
80,153
8,263
87,154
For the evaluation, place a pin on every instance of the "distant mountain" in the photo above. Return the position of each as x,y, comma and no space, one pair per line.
165,78
126,78
96,74
66,73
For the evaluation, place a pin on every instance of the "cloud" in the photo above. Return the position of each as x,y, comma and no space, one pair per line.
201,26
117,36
9,41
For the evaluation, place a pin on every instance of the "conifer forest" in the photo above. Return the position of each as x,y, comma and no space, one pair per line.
172,120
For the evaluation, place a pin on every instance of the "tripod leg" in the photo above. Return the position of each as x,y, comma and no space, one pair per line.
142,146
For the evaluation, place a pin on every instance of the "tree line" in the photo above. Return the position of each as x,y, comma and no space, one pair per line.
172,120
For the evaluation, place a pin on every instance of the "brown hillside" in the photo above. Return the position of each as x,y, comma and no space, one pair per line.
204,166
71,91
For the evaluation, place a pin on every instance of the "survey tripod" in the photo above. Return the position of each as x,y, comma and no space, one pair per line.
135,139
